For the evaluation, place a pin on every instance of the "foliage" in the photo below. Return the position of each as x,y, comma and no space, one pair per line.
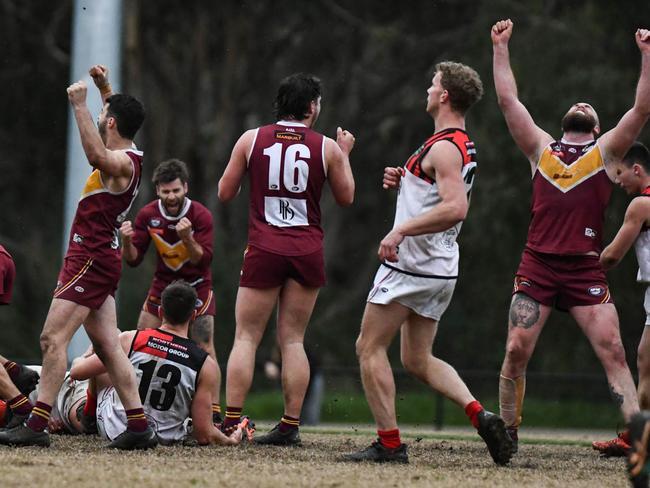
207,71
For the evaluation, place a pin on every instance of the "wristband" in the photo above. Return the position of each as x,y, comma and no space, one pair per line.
106,89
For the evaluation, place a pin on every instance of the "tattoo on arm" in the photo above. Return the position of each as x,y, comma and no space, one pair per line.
524,311
616,396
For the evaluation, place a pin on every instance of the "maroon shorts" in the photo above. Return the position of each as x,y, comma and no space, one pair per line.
562,281
205,304
7,276
88,281
263,269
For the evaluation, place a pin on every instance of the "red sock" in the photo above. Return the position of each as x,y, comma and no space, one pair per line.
37,420
20,405
136,421
472,409
289,423
90,408
233,417
3,411
389,438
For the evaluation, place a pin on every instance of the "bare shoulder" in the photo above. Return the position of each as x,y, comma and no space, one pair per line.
331,147
443,154
639,207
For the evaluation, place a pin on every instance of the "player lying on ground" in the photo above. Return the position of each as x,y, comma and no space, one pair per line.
176,378
66,413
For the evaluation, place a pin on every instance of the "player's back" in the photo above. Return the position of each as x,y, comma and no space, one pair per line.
287,172
167,368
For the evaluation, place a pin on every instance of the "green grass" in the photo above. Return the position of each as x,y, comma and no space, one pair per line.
420,408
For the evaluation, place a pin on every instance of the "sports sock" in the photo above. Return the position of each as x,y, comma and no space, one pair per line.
216,413
20,405
389,438
37,420
288,423
472,409
13,369
90,408
136,421
233,417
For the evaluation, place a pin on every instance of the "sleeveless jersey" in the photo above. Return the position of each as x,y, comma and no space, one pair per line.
101,212
571,191
431,255
167,368
152,224
287,172
642,249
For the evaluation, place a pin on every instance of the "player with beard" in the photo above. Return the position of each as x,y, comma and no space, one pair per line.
181,230
559,265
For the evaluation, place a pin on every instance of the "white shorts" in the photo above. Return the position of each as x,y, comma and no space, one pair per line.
646,305
111,417
428,297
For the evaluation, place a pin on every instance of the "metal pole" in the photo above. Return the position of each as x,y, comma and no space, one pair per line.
96,39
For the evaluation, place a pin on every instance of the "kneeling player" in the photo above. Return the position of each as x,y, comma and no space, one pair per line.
176,378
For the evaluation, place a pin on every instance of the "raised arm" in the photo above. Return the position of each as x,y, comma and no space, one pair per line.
615,142
203,429
527,135
99,74
443,161
113,163
636,215
339,172
230,182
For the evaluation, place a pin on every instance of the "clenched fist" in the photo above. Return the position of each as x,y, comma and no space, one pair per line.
77,93
184,228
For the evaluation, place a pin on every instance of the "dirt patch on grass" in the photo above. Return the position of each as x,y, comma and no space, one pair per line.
82,461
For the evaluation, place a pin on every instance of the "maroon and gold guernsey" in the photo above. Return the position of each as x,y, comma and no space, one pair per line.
287,172
571,191
153,224
100,213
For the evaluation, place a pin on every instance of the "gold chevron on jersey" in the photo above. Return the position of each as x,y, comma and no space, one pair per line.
173,255
566,177
93,185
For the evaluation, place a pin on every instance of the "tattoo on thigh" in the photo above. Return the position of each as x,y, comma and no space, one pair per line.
201,329
616,396
524,311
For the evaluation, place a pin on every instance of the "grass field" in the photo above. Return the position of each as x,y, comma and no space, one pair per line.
451,458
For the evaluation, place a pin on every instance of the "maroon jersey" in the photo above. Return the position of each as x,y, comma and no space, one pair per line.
7,276
287,173
101,212
570,194
153,224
